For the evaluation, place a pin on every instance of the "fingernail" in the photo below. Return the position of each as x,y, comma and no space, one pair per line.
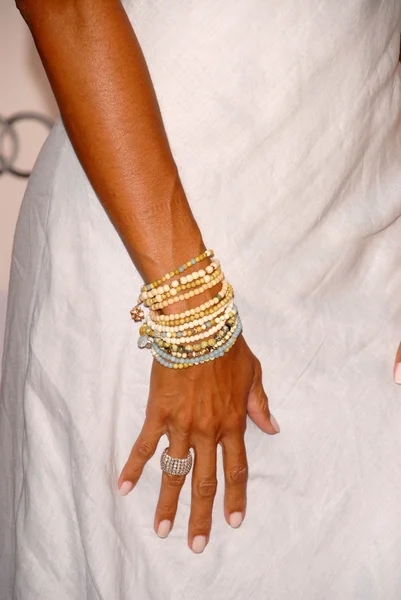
235,519
397,373
275,424
126,487
198,544
164,529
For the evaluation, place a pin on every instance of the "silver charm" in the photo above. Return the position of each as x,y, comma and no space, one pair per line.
143,341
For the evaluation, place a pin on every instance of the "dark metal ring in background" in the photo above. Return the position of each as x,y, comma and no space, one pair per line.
8,131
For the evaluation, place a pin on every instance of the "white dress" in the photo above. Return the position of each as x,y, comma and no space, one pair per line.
284,118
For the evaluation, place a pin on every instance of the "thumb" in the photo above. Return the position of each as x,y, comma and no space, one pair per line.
397,366
258,404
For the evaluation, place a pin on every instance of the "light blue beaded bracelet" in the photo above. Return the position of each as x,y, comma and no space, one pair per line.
173,362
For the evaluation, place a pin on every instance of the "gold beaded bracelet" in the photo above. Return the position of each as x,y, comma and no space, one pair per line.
186,281
174,291
189,324
225,295
189,294
187,265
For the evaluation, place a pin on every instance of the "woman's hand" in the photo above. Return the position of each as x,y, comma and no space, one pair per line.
199,408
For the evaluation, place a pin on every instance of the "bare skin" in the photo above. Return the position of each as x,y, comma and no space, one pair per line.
397,366
109,109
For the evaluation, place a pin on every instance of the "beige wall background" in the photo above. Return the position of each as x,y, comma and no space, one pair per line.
23,87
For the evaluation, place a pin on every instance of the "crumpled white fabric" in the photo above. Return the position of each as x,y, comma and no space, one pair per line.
284,119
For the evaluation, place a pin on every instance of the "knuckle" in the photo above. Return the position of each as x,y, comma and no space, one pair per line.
201,524
237,474
132,472
208,426
236,502
165,508
174,481
183,425
145,450
206,488
235,422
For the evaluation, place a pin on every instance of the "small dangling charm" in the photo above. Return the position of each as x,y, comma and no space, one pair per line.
137,313
143,341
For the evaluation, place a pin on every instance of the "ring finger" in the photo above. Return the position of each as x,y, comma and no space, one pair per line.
170,489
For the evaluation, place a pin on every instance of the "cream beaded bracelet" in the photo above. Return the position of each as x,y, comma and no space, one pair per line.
180,363
210,304
200,349
187,265
187,281
190,325
193,316
210,338
197,336
173,292
188,295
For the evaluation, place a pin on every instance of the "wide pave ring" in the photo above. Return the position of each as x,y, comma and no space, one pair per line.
175,466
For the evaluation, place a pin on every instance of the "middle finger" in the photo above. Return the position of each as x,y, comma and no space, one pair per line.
236,477
204,485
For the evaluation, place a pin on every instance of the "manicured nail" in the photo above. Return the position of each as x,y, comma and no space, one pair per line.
198,544
126,487
164,529
235,519
274,423
397,373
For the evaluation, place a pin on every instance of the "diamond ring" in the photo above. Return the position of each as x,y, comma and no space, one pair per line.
175,466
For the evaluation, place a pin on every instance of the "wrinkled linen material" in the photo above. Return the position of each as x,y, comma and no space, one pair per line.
284,119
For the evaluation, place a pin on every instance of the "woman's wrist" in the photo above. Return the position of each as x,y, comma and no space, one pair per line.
192,316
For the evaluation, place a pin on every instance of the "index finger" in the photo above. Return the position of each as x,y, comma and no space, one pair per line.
143,449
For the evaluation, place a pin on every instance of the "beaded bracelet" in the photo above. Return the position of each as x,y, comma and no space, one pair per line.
187,345
225,290
193,316
177,348
188,295
200,351
185,282
206,320
196,335
145,342
199,348
190,263
180,363
173,292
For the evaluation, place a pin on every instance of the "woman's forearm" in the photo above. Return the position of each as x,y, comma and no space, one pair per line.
109,109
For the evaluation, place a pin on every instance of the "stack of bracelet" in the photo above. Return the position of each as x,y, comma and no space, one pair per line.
194,336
